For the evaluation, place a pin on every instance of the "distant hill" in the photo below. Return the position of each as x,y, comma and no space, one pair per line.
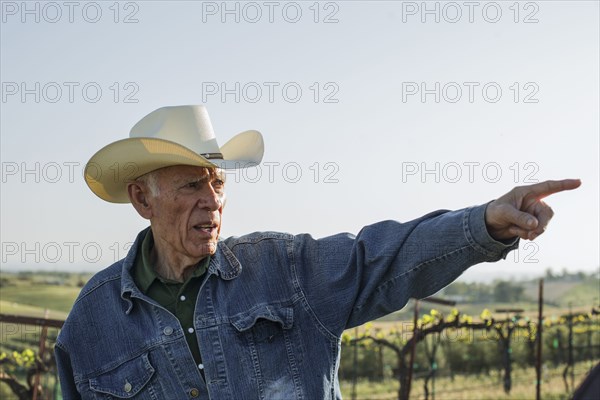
561,293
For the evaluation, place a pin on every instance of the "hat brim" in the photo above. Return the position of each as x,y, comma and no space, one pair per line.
112,167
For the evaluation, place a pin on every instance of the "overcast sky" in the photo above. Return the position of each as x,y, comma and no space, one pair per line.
369,111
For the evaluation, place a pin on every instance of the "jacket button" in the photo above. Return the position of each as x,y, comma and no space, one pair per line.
194,392
127,387
168,330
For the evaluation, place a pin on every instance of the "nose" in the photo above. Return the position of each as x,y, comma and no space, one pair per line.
210,200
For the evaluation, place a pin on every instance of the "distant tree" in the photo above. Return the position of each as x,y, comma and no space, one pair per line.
472,292
505,292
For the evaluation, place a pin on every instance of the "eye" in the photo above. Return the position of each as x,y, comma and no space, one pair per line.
191,185
218,184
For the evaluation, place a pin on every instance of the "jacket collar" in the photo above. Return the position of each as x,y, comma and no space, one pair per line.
223,263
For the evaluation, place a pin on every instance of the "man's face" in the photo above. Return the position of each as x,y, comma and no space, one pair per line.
186,213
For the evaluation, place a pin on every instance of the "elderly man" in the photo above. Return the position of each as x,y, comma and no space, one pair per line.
186,315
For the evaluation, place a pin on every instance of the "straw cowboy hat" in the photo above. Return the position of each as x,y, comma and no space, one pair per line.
180,135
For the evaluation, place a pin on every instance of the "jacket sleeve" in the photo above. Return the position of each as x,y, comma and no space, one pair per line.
65,373
348,280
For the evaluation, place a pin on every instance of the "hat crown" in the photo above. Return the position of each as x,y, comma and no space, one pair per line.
188,126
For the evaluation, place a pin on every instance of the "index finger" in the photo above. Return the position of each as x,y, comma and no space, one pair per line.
547,188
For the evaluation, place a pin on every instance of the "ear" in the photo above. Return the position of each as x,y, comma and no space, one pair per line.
138,196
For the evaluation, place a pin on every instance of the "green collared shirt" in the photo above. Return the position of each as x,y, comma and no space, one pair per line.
177,297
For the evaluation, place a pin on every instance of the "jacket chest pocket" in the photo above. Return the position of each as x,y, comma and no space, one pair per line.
127,381
271,351
265,323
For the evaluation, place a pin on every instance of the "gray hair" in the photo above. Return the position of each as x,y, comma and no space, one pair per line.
151,180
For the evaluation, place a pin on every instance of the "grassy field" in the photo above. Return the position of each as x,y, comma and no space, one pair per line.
472,387
52,297
9,307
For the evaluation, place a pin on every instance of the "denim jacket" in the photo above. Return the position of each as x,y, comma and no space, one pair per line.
270,312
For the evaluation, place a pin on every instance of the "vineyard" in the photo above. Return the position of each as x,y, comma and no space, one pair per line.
440,353
458,356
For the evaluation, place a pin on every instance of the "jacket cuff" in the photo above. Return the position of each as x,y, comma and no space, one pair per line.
478,236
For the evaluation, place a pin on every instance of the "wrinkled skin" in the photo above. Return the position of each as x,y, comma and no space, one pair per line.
185,215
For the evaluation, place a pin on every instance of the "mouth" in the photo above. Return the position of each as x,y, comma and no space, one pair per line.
206,228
